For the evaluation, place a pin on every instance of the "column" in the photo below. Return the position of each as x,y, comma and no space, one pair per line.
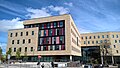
70,57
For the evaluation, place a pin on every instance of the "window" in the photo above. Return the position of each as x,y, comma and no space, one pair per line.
112,36
39,48
11,34
94,37
117,51
61,24
77,41
56,47
116,36
102,36
25,49
23,41
48,25
16,34
17,41
20,49
84,42
32,32
98,36
88,42
61,39
90,37
31,48
107,36
21,34
14,49
81,37
114,46
29,40
54,24
101,41
44,48
92,42
51,47
96,42
115,41
119,41
63,47
86,37
27,33
12,41
50,32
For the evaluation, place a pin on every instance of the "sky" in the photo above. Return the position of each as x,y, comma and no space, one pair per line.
88,15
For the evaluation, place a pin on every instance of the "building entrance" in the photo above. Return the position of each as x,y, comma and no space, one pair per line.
91,54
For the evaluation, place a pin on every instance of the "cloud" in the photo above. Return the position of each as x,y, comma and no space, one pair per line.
46,11
3,46
10,24
59,9
12,8
69,4
36,13
82,30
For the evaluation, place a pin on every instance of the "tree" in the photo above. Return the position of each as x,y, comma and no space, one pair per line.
9,51
18,54
0,54
105,51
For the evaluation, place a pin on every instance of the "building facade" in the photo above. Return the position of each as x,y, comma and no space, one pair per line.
96,42
54,38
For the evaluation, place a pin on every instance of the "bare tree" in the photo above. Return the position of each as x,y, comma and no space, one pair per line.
105,50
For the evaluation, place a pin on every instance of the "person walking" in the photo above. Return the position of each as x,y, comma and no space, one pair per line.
42,65
52,64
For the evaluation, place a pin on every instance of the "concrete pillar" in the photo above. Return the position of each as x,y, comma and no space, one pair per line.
112,60
102,59
70,57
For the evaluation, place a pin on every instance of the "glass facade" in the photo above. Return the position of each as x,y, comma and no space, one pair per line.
51,36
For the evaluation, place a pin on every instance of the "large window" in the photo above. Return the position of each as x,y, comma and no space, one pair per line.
51,36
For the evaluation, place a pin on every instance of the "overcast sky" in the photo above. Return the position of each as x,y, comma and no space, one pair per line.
88,15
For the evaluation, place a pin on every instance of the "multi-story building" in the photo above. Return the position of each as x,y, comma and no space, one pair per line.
92,42
54,38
